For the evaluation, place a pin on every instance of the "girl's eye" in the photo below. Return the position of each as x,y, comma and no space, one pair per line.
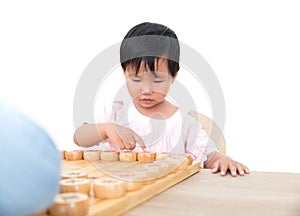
158,81
136,80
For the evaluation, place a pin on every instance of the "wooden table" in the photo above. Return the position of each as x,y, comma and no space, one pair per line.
260,193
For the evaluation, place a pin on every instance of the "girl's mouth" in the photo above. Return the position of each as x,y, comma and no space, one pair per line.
146,100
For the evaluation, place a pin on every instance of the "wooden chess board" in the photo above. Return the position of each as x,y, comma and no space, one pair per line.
117,206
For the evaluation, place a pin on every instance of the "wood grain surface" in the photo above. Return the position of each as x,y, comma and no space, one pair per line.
207,194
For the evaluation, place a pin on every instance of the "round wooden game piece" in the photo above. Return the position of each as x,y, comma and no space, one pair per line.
161,155
188,156
74,174
160,168
172,164
109,156
92,155
74,155
182,161
75,204
190,159
145,157
149,175
127,156
107,188
132,180
79,185
184,164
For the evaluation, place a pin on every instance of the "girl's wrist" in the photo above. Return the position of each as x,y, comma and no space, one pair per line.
103,130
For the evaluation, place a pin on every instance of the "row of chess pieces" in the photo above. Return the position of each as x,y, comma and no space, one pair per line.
94,155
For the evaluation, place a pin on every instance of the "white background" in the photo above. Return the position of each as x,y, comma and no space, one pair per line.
253,48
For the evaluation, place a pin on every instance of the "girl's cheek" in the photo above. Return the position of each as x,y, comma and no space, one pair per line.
162,88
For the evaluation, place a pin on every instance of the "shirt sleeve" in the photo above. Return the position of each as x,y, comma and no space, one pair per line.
109,112
197,142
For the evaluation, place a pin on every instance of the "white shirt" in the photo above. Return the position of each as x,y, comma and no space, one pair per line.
176,134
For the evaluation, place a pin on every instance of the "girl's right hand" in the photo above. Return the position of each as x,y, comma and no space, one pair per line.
124,137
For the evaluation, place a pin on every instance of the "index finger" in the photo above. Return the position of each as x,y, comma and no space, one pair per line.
139,140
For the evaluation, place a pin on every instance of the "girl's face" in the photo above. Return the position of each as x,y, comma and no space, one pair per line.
149,89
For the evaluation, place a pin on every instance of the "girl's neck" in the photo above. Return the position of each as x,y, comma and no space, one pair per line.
163,110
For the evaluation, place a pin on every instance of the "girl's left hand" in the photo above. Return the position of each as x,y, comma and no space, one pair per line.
225,164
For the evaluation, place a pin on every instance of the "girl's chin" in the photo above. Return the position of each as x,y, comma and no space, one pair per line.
146,105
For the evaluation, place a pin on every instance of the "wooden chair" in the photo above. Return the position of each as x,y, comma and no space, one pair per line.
212,129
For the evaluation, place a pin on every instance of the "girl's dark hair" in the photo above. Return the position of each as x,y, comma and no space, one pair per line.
149,42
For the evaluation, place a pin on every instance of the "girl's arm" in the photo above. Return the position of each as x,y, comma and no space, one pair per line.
217,161
91,134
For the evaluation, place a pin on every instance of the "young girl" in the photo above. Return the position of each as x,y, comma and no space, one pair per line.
150,61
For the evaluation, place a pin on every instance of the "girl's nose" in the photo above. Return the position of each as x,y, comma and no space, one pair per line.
147,88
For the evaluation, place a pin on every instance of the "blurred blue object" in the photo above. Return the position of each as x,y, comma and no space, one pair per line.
29,165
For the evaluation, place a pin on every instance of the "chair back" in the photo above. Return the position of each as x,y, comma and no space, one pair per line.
212,130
